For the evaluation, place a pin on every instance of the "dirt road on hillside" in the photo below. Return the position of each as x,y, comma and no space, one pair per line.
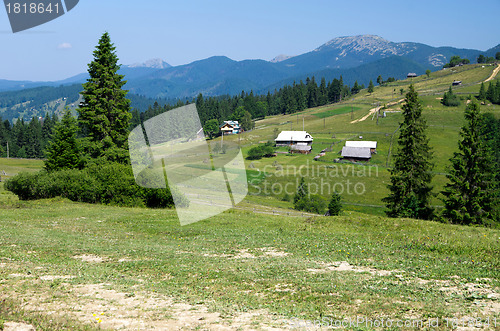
493,74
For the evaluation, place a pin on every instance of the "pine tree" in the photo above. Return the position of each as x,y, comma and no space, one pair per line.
482,92
335,206
490,93
370,87
104,114
63,151
410,189
469,196
302,191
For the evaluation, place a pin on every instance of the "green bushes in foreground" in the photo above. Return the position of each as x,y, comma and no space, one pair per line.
109,183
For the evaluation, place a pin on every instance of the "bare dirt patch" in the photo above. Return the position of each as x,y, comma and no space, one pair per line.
98,305
20,275
14,326
52,277
271,251
89,258
266,252
345,266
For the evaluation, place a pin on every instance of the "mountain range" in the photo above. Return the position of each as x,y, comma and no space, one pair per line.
360,58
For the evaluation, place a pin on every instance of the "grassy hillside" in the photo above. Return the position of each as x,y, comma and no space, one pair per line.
333,124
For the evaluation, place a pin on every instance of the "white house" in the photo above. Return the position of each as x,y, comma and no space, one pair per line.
230,127
288,138
372,145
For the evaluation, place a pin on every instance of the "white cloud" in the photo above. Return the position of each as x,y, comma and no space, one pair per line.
65,46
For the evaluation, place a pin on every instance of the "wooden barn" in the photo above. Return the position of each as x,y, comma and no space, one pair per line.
372,145
356,153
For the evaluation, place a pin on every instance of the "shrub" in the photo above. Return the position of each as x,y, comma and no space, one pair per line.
106,183
313,203
261,151
450,99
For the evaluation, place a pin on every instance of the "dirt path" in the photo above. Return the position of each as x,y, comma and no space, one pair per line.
374,110
493,74
371,112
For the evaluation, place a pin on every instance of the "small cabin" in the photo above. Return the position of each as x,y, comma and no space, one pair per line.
230,127
372,145
456,83
356,153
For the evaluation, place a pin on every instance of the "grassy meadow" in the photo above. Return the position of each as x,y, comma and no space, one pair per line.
67,265
101,266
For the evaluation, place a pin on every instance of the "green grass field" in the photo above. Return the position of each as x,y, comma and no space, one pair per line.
139,267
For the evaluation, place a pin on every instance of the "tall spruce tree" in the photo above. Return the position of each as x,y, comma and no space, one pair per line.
104,114
482,92
469,196
63,150
370,87
410,189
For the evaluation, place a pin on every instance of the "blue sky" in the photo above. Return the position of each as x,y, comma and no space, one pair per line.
183,31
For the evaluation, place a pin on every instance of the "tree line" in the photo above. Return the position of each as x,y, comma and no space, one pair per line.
491,94
26,139
247,106
29,139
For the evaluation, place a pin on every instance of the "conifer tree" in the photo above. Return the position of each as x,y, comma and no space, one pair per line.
469,196
104,114
302,191
335,206
410,189
370,87
482,92
63,150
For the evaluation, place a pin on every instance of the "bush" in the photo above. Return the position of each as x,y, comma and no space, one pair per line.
261,151
286,197
108,183
450,99
313,203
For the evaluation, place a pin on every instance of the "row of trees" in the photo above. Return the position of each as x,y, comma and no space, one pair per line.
26,139
456,61
472,192
488,59
492,94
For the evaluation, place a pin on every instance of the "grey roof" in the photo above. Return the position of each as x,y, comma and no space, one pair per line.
301,147
362,143
358,152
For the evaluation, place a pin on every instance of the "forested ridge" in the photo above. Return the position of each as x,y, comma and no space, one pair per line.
28,138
